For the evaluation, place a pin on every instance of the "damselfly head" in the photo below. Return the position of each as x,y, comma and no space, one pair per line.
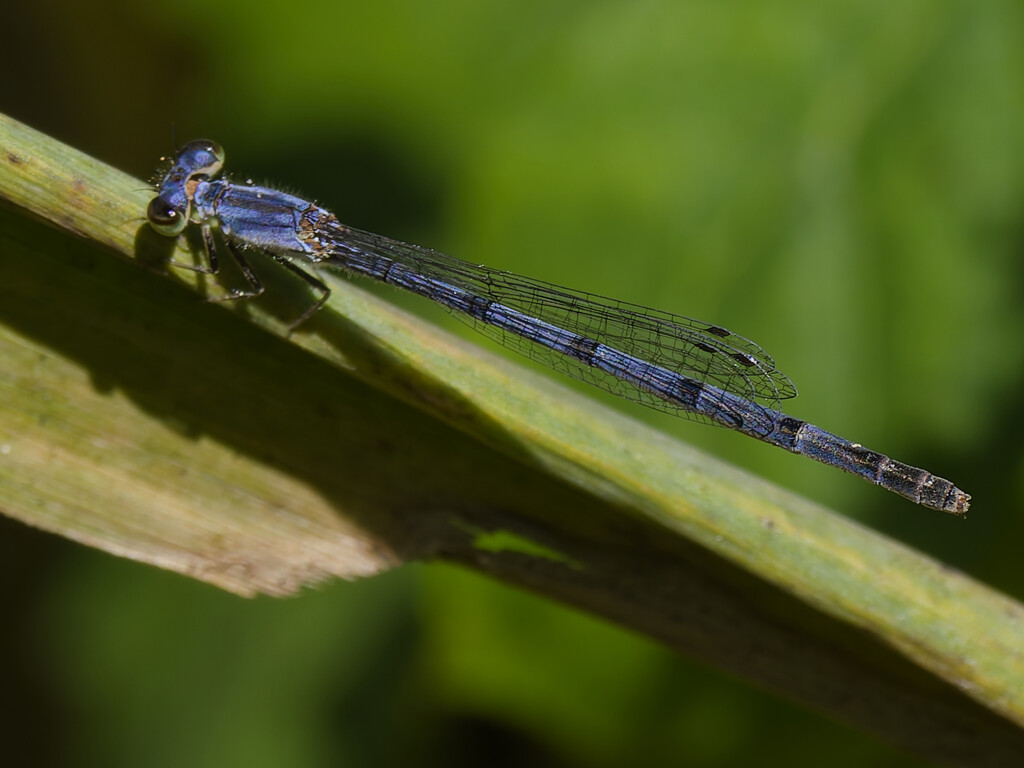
197,161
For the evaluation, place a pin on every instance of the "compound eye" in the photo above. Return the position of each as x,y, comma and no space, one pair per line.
165,218
205,157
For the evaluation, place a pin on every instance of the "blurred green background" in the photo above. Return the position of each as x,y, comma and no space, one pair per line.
841,181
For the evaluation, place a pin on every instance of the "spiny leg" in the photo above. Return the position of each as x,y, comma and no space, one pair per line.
255,286
315,282
211,267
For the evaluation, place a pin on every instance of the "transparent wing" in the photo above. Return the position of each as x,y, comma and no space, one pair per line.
700,351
